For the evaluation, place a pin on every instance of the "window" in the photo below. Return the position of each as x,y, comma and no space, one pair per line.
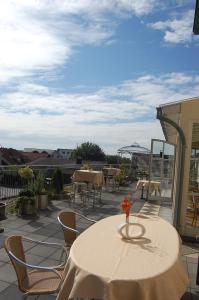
194,163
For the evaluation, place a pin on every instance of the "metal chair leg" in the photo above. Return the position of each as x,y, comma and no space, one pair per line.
61,256
197,276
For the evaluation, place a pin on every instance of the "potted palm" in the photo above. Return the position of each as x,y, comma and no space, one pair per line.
25,204
41,194
86,167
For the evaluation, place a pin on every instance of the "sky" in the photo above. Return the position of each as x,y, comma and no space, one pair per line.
90,70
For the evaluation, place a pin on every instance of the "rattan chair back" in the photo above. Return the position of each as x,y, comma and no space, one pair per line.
68,218
14,245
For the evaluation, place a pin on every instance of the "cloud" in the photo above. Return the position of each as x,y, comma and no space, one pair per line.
114,116
94,7
55,131
39,36
177,30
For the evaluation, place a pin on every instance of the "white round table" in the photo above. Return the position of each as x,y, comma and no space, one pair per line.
102,265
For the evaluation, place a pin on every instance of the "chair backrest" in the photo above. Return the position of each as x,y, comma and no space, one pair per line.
14,245
68,218
195,199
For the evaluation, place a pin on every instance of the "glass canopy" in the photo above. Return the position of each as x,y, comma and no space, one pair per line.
133,149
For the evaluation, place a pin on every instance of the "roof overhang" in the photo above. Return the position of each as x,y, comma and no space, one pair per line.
172,112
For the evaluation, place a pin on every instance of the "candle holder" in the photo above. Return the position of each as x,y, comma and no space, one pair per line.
124,230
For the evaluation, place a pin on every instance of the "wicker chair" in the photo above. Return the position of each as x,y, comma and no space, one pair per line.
67,220
39,280
195,201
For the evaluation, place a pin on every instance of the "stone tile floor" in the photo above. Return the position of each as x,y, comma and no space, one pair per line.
45,228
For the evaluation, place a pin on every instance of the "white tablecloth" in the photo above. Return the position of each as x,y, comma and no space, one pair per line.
102,265
94,177
154,186
112,171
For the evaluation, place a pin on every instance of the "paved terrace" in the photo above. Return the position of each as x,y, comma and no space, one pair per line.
46,228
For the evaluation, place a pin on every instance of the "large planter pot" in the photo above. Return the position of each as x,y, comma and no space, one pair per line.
26,206
28,209
42,201
2,211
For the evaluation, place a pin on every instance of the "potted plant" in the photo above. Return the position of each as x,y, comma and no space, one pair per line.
25,204
2,210
57,183
27,173
68,193
42,199
86,167
41,194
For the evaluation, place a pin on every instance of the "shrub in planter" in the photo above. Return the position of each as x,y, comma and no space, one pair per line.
25,204
86,167
68,193
121,177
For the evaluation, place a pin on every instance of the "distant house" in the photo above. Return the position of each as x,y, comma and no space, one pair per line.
37,150
31,156
9,156
51,161
59,153
62,153
65,163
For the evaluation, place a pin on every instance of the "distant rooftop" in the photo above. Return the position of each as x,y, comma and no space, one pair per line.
10,156
37,150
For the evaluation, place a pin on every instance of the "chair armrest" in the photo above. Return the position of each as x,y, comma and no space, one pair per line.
49,244
44,243
84,217
67,228
53,268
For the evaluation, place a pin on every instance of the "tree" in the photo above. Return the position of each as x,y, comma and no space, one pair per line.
89,151
116,159
113,159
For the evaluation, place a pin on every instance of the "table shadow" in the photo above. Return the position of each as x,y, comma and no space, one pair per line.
143,243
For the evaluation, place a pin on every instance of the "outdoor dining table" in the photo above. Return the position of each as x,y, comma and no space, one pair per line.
89,176
102,265
112,171
154,186
110,175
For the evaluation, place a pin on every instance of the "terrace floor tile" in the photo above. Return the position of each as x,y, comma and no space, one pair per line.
3,285
11,292
7,273
40,250
4,256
